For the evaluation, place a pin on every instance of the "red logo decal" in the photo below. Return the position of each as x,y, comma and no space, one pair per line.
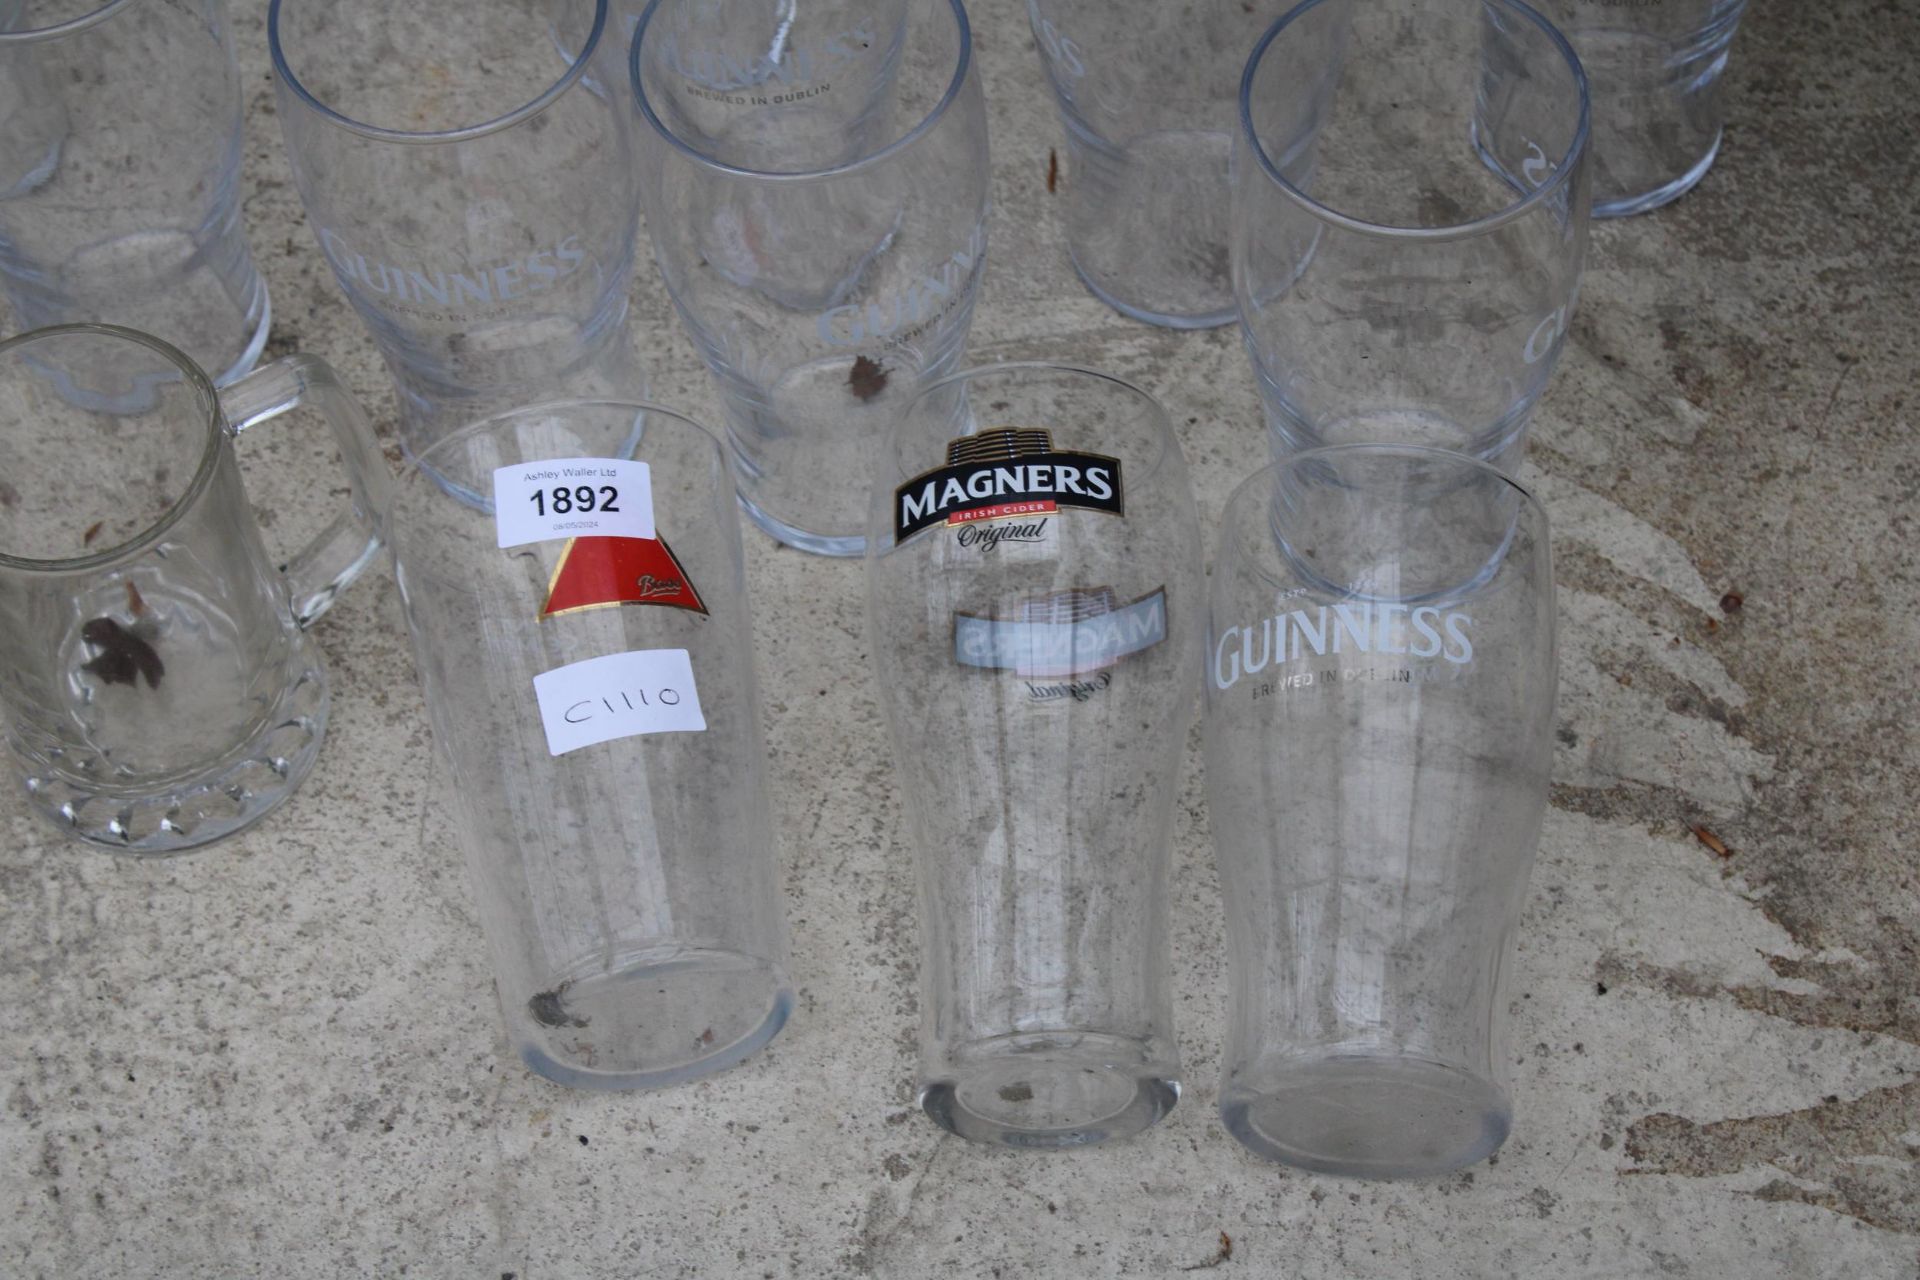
597,572
1005,511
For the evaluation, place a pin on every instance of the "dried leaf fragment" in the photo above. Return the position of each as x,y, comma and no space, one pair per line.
1222,1254
549,1009
868,378
1712,841
122,657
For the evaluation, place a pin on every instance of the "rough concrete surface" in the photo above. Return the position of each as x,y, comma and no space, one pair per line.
281,1056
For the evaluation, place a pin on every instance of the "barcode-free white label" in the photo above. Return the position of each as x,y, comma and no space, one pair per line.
572,498
620,695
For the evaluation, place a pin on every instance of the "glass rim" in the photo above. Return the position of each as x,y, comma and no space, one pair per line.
419,465
963,66
574,73
417,468
1409,452
1563,170
196,378
898,436
72,26
1264,481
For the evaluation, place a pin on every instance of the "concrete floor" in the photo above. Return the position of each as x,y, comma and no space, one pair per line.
281,1056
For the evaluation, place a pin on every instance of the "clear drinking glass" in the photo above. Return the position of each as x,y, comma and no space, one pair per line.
774,84
823,252
1655,68
159,688
120,173
1148,93
593,697
1033,592
1410,199
1379,714
473,188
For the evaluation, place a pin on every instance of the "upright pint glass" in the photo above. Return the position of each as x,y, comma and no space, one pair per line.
1380,683
579,620
473,190
1147,94
823,240
120,175
1409,220
1033,590
1657,70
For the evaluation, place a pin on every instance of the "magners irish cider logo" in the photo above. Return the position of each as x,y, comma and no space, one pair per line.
1003,475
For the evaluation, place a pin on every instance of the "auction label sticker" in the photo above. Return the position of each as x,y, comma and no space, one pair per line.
620,695
572,498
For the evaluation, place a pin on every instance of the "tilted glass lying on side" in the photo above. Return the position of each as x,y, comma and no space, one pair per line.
573,583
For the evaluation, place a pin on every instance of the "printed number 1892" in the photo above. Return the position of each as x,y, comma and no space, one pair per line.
563,500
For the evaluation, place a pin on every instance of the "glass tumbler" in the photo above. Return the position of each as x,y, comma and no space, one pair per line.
158,685
774,84
1656,69
120,173
1379,711
589,674
473,189
1148,94
823,251
1410,202
1034,593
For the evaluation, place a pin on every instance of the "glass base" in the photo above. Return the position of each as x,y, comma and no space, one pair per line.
1166,320
1626,206
249,355
818,544
1147,218
654,1020
179,819
1047,1093
1501,444
1361,1116
139,394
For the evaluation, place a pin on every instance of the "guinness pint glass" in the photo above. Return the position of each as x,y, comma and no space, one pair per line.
1379,711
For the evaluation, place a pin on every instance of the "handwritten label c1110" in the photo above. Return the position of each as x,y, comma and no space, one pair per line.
619,695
